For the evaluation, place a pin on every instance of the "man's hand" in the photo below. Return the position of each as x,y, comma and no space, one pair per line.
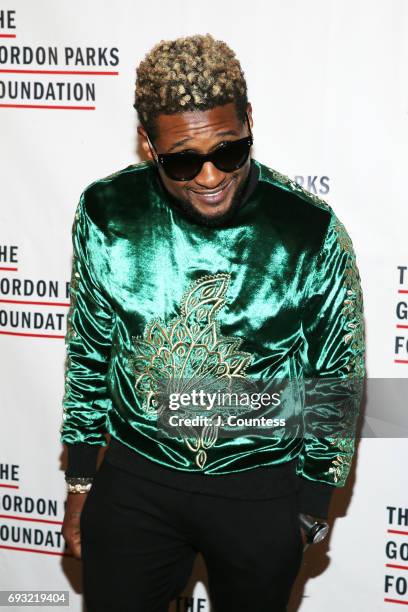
70,527
303,532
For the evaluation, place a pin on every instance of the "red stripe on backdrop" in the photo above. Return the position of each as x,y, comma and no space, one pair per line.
36,303
92,72
47,106
33,520
33,550
9,333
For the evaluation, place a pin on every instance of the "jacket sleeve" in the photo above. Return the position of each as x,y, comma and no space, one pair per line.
333,328
88,341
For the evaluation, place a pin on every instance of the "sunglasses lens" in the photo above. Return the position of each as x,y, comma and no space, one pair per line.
183,167
233,155
186,166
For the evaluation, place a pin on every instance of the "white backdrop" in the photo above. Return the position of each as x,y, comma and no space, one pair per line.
327,81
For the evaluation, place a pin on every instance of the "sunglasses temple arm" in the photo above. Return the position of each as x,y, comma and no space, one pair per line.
249,125
152,149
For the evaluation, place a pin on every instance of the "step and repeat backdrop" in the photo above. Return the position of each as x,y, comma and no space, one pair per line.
328,84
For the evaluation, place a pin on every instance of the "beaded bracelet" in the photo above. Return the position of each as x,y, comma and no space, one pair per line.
78,484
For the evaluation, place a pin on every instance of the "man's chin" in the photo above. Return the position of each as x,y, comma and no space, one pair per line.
212,219
211,215
217,215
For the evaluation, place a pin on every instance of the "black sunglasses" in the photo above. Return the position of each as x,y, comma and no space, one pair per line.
185,166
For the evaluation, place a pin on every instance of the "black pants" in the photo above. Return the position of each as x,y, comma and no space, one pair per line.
139,541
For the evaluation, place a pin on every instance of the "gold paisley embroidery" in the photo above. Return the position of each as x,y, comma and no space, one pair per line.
354,338
189,347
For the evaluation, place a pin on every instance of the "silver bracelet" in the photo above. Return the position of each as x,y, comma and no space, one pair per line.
78,484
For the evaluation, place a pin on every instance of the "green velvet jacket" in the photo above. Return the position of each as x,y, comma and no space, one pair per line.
274,294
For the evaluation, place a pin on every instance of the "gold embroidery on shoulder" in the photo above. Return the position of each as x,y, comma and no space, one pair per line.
189,346
293,186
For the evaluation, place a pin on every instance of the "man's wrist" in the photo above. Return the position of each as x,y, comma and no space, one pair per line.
78,484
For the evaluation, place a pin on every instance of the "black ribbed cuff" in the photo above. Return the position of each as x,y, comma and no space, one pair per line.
82,459
315,497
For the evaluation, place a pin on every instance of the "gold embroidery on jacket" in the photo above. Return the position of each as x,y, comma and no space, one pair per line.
189,347
354,338
278,177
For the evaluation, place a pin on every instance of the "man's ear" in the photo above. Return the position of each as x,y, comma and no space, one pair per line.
249,113
144,142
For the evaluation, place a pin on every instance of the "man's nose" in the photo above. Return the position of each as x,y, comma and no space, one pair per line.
210,177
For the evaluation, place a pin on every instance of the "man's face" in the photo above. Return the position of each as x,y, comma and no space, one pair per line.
213,195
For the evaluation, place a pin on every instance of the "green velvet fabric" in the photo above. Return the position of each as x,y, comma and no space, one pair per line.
273,294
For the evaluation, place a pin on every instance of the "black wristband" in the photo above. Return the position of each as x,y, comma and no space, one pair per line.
82,459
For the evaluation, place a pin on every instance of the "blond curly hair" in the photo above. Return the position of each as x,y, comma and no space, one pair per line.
190,73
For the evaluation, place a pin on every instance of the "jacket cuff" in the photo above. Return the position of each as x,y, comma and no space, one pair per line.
82,459
315,497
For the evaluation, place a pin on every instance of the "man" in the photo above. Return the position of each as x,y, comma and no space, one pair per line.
201,269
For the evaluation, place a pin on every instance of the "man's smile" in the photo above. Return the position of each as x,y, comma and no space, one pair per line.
213,197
